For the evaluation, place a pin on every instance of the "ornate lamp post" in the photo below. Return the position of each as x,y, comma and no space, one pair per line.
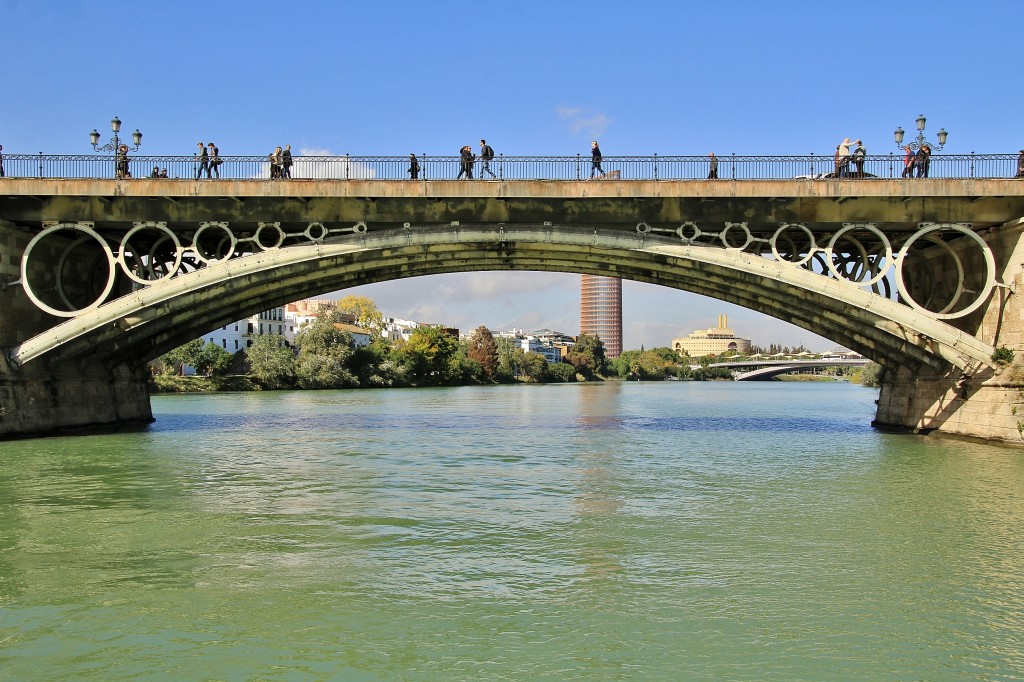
920,141
116,142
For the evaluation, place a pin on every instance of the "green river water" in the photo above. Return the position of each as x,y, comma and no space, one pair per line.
620,531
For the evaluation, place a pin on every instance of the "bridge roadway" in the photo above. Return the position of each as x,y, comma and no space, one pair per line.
892,205
747,242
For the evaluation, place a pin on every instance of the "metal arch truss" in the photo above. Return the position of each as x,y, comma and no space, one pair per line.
148,261
862,255
858,254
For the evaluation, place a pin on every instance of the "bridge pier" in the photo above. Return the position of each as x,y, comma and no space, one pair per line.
34,403
39,399
979,402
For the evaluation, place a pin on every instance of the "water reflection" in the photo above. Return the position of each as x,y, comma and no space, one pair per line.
652,531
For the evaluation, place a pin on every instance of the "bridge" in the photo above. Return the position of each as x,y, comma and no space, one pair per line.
99,274
764,370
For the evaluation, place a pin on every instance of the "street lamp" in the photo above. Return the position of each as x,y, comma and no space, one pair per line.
921,141
116,142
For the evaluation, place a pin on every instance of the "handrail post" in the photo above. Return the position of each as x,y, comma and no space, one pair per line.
811,171
40,164
655,165
972,164
501,166
734,165
892,168
424,155
577,165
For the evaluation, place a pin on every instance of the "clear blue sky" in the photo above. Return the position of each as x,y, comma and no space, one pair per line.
533,77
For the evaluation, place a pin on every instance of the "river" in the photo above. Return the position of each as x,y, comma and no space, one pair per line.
617,531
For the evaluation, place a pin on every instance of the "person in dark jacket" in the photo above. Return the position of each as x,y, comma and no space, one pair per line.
215,159
414,167
1020,165
922,160
286,162
466,154
202,161
486,154
595,159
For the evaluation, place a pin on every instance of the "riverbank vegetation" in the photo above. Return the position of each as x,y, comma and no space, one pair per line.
325,355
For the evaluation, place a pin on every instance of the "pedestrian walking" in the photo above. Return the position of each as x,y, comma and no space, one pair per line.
595,159
215,159
466,161
908,163
202,161
712,166
286,161
414,167
1,161
1020,164
923,160
486,154
859,156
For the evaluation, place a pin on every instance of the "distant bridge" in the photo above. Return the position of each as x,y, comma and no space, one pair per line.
763,370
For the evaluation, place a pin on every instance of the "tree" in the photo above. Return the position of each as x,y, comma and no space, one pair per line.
212,360
365,311
588,357
270,362
561,371
324,352
185,354
484,350
431,351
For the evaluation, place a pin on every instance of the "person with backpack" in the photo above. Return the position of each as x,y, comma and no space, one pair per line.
414,167
486,154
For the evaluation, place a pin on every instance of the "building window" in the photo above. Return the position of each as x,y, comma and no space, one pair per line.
236,344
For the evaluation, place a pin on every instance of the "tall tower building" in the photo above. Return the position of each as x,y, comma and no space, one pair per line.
601,311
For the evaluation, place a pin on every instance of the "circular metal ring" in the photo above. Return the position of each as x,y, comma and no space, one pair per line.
258,238
214,225
360,227
867,227
77,227
724,236
124,247
688,225
990,269
643,228
779,232
316,232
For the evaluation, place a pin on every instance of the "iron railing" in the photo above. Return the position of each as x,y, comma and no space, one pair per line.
654,167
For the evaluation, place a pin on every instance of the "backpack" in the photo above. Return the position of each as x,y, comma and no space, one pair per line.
488,152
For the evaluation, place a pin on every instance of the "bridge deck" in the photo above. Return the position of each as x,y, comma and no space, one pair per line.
763,204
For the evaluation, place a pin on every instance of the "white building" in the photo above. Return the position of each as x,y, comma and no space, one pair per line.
239,335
